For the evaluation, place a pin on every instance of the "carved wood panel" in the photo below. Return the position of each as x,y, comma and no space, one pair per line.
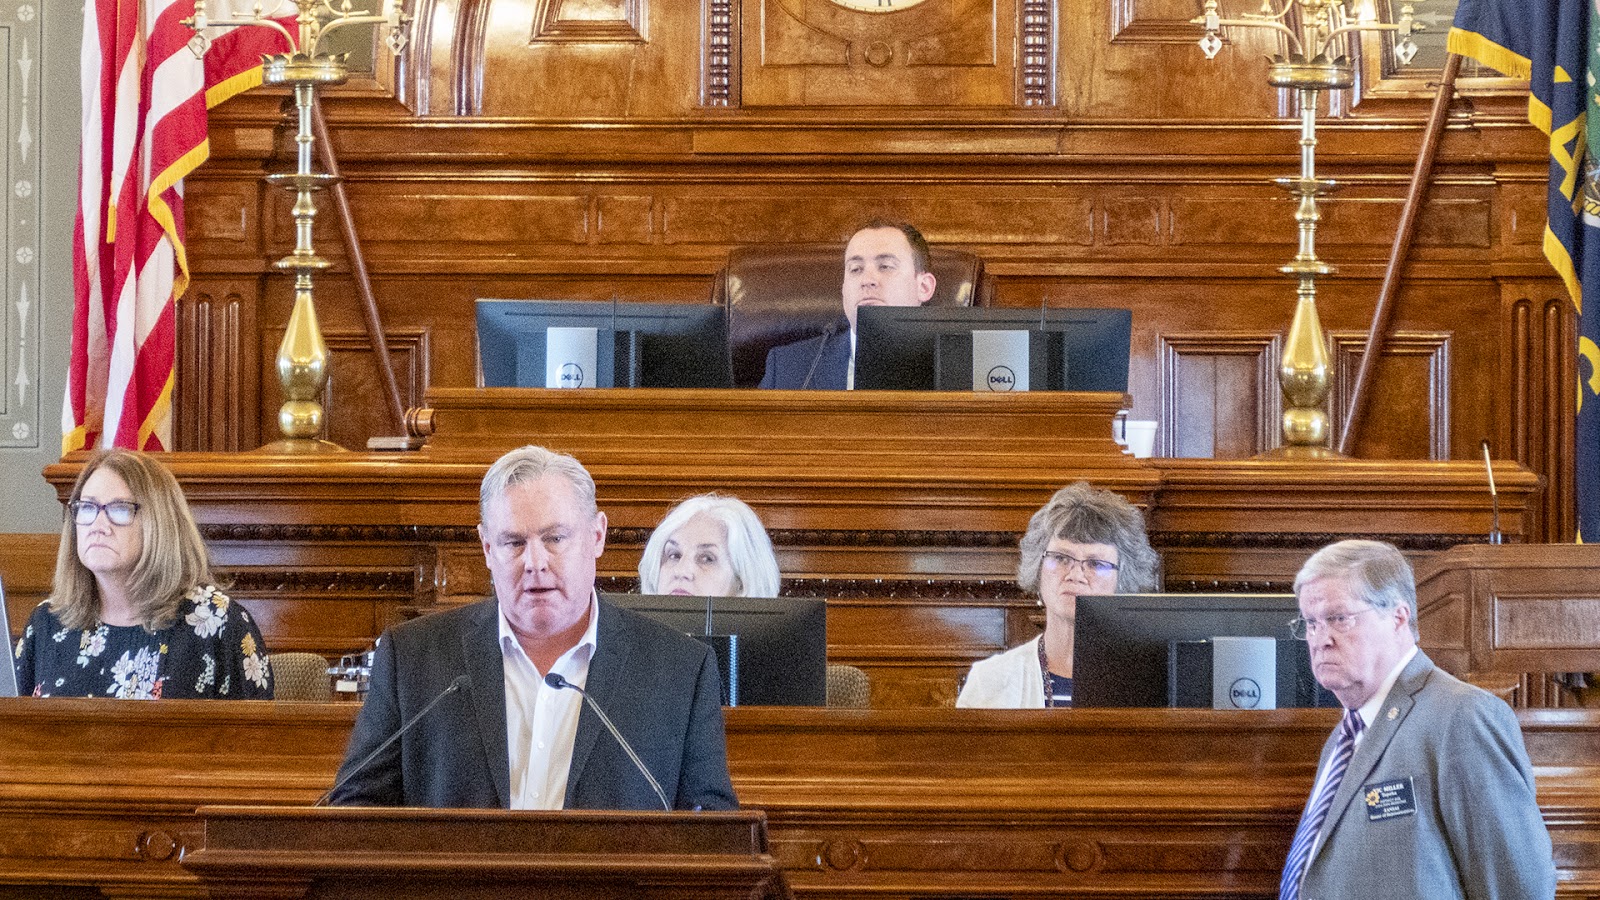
939,53
590,21
1218,395
219,366
1411,418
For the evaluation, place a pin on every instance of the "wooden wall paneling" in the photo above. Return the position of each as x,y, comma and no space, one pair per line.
219,366
1558,407
1539,328
1409,417
1155,22
939,54
590,22
1218,395
1141,59
352,408
28,568
563,59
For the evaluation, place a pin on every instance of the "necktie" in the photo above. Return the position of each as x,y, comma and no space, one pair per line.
1305,837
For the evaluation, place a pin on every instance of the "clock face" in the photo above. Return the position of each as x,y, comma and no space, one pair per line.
876,5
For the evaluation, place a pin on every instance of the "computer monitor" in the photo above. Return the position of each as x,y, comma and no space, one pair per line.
924,348
681,345
1153,649
772,651
8,663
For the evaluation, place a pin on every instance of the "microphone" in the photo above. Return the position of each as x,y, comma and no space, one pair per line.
460,682
827,335
1494,496
555,680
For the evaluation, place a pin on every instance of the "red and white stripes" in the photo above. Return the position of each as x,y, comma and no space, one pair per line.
145,97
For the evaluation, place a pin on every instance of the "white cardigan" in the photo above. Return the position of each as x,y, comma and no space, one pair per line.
1009,680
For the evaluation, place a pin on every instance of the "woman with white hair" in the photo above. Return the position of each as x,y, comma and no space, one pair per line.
710,545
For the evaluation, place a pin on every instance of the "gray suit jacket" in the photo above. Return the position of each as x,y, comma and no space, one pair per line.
659,687
1438,802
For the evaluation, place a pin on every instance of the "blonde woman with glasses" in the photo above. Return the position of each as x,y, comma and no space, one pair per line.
134,613
1084,542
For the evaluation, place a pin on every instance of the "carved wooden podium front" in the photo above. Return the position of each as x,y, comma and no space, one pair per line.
400,854
1514,608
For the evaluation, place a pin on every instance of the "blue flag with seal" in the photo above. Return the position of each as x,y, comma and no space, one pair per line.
1553,44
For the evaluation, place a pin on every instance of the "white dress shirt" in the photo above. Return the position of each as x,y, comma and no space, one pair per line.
542,721
850,367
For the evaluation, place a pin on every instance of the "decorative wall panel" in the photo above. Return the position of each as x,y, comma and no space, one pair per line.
22,214
1219,395
590,21
940,53
1155,22
1411,418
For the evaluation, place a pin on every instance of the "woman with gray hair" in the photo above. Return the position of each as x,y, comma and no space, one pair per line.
1085,541
710,545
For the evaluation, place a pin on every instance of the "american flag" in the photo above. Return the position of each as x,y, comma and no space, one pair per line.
145,97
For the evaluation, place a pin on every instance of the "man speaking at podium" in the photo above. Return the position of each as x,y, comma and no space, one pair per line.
885,264
544,696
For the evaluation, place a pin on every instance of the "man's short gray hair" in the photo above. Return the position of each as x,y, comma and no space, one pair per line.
1375,571
530,463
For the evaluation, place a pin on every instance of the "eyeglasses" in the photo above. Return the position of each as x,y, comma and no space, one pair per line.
1065,561
120,512
1302,627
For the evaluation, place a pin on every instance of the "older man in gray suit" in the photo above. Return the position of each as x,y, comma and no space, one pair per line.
1424,790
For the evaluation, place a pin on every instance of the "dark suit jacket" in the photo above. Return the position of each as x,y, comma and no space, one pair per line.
659,687
787,365
1473,829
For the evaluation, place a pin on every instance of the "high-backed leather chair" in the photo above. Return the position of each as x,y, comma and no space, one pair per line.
780,294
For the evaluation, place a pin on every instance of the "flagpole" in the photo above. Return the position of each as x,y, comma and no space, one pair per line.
1407,229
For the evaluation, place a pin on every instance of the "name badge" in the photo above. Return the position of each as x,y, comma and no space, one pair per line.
1389,799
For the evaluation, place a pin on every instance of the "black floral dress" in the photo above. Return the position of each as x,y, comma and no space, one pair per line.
213,650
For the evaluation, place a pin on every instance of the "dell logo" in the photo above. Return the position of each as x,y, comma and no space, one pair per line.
1001,378
1245,693
572,375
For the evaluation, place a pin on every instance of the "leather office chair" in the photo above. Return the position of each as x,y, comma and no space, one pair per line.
779,294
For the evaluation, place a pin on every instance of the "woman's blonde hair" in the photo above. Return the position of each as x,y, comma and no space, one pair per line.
172,561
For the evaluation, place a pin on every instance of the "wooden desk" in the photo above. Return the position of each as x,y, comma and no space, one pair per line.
907,506
882,804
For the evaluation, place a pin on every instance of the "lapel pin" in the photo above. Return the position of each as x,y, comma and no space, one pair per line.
1393,711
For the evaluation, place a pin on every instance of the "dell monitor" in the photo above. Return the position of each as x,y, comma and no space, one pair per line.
682,345
1154,649
771,651
924,348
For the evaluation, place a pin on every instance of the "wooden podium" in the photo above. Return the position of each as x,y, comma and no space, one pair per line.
473,854
1510,609
1508,617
